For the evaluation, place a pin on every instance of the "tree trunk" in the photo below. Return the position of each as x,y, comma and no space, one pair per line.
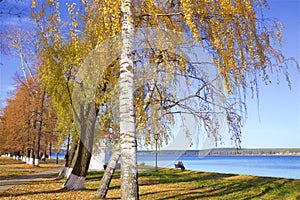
76,179
37,156
50,150
86,125
45,153
23,154
39,133
32,153
66,171
31,157
108,174
27,155
57,157
128,143
68,149
73,161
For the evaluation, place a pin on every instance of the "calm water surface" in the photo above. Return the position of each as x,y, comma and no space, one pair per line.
271,166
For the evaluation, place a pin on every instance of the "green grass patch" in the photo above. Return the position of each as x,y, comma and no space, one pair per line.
169,184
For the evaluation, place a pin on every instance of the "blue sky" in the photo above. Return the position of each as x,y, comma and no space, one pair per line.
276,123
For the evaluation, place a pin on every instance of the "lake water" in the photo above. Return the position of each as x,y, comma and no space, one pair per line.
270,166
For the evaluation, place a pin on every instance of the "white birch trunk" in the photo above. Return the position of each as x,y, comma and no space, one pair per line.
74,182
106,179
64,173
37,162
128,144
30,161
68,172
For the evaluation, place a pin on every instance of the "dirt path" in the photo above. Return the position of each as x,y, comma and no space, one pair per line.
18,180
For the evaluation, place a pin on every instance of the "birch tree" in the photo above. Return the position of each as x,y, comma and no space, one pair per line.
128,143
234,33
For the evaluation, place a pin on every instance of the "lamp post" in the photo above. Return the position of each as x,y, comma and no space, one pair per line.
156,137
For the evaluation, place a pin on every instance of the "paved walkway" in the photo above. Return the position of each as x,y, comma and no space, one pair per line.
18,180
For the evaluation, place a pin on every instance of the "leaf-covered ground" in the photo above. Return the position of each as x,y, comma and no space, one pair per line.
168,184
10,167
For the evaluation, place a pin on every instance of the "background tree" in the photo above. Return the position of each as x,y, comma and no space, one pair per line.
24,134
9,11
61,64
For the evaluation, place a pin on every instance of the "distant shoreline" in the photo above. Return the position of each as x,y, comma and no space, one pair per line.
228,152
253,155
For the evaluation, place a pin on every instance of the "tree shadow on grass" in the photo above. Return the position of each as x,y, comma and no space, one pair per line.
169,177
94,175
195,185
227,190
97,176
205,185
212,185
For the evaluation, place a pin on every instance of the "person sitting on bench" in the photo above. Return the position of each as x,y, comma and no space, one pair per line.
180,165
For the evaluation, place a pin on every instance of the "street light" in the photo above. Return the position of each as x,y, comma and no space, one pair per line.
156,137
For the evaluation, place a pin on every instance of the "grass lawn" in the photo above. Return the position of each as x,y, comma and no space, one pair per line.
168,184
10,167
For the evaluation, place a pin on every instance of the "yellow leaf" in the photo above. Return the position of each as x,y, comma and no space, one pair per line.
33,4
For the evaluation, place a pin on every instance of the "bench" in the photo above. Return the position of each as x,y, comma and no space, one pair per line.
179,166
